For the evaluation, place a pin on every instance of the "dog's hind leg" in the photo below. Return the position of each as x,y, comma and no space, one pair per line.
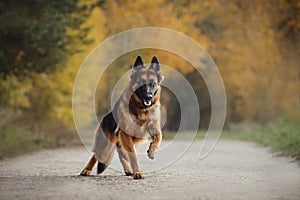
102,166
104,157
104,148
124,160
88,169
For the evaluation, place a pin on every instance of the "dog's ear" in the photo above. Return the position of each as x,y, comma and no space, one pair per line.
156,67
155,64
138,62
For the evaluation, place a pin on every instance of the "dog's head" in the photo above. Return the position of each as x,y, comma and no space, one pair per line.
146,81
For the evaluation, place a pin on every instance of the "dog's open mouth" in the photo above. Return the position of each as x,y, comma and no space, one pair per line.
147,102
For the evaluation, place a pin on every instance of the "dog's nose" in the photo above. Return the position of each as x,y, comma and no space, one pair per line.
149,97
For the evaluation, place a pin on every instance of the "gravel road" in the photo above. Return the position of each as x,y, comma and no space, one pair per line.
234,170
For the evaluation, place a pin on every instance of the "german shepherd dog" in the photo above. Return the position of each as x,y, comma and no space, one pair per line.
134,118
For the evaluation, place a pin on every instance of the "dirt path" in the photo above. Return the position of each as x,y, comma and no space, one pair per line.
234,170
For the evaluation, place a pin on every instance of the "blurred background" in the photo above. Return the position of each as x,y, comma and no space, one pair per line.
255,44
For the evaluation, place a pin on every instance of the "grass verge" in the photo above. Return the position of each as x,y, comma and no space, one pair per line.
18,140
282,136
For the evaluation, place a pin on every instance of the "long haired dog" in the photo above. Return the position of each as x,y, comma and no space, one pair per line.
134,117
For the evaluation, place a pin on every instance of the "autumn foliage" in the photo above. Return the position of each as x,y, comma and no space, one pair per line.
255,44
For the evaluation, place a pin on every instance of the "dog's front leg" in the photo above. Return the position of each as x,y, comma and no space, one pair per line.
124,159
154,145
128,145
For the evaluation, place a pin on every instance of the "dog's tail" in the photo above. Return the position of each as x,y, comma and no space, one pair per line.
104,151
104,144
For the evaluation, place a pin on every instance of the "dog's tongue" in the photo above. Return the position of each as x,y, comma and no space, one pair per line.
147,103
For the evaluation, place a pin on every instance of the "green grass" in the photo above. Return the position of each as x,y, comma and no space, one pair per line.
282,136
16,141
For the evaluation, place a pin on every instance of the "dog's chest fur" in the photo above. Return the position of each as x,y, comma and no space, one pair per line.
139,122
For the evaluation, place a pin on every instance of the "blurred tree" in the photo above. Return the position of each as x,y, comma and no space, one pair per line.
254,43
33,34
256,47
286,20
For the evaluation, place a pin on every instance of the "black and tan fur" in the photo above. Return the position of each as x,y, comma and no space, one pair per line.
134,117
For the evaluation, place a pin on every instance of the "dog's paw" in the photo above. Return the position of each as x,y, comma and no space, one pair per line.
85,172
128,173
150,154
138,175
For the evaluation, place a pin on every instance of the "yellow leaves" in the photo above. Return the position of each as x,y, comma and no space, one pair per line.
14,92
239,35
96,21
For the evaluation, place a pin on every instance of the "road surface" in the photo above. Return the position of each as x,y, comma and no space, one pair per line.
234,170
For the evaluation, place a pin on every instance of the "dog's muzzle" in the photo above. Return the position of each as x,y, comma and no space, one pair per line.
148,100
